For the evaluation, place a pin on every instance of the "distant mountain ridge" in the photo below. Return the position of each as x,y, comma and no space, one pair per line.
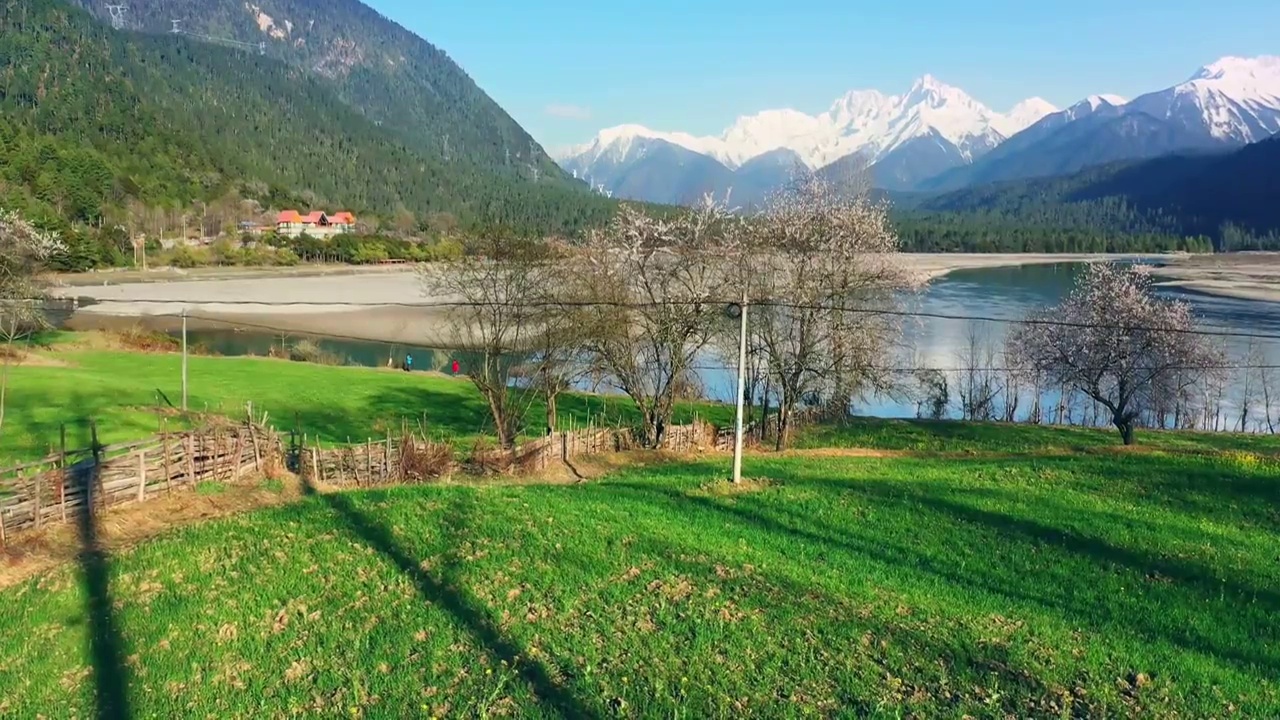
937,138
1224,105
955,130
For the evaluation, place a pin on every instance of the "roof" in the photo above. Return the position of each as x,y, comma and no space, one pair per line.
315,217
343,217
289,216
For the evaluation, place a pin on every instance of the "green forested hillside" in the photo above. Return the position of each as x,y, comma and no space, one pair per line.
374,65
1229,199
92,118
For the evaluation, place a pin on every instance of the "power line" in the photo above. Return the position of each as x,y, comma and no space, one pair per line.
567,304
902,369
260,46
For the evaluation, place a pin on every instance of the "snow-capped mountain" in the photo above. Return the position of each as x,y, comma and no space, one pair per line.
861,121
957,129
981,171
937,137
1224,105
1235,100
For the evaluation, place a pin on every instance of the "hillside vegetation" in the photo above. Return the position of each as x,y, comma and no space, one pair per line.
1012,581
373,65
93,121
1180,201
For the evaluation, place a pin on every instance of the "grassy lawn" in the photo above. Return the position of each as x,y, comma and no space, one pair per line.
1022,584
124,392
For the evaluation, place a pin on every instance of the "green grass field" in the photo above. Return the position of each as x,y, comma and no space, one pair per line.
1008,579
124,392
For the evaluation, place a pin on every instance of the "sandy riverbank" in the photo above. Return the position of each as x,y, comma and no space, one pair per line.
1244,276
376,305
935,265
388,304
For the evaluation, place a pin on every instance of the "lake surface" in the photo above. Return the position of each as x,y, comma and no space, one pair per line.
1003,293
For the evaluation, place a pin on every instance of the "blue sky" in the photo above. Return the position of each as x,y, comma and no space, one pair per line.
565,68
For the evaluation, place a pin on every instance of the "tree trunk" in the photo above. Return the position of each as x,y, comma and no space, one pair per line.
654,428
551,413
784,422
4,376
1126,428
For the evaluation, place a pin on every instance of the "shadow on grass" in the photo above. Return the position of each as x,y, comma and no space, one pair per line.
106,645
441,588
1191,581
965,436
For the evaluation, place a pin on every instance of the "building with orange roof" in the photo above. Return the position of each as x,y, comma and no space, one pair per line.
317,223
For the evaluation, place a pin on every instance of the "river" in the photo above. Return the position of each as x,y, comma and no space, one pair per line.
1005,293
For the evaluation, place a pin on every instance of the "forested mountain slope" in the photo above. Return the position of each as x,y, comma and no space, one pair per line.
1229,197
379,68
92,118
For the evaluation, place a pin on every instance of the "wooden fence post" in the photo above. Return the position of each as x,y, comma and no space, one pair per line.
3,539
257,456
386,460
168,468
315,465
368,460
62,466
191,460
237,456
97,469
35,503
142,475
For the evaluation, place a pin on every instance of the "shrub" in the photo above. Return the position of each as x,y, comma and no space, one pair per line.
310,352
144,340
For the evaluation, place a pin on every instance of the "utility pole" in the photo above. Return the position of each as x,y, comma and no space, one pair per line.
742,388
184,359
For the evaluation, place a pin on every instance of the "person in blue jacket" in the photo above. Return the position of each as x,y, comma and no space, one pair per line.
408,363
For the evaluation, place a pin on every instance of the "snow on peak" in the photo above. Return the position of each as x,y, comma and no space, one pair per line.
1097,100
1233,99
860,121
1024,115
616,143
1241,79
1267,66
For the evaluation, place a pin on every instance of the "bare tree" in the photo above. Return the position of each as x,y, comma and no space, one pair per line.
24,250
1117,343
651,289
824,267
933,395
1249,390
978,383
1268,389
506,315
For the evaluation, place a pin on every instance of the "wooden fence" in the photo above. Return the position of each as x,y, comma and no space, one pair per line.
389,461
59,488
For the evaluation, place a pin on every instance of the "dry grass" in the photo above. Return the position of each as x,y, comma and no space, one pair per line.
25,358
35,552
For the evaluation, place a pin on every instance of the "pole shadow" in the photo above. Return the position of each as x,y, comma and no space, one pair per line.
442,590
106,645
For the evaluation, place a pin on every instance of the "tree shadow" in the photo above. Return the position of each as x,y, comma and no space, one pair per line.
106,645
442,587
896,556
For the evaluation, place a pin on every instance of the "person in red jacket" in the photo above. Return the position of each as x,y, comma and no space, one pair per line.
455,367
